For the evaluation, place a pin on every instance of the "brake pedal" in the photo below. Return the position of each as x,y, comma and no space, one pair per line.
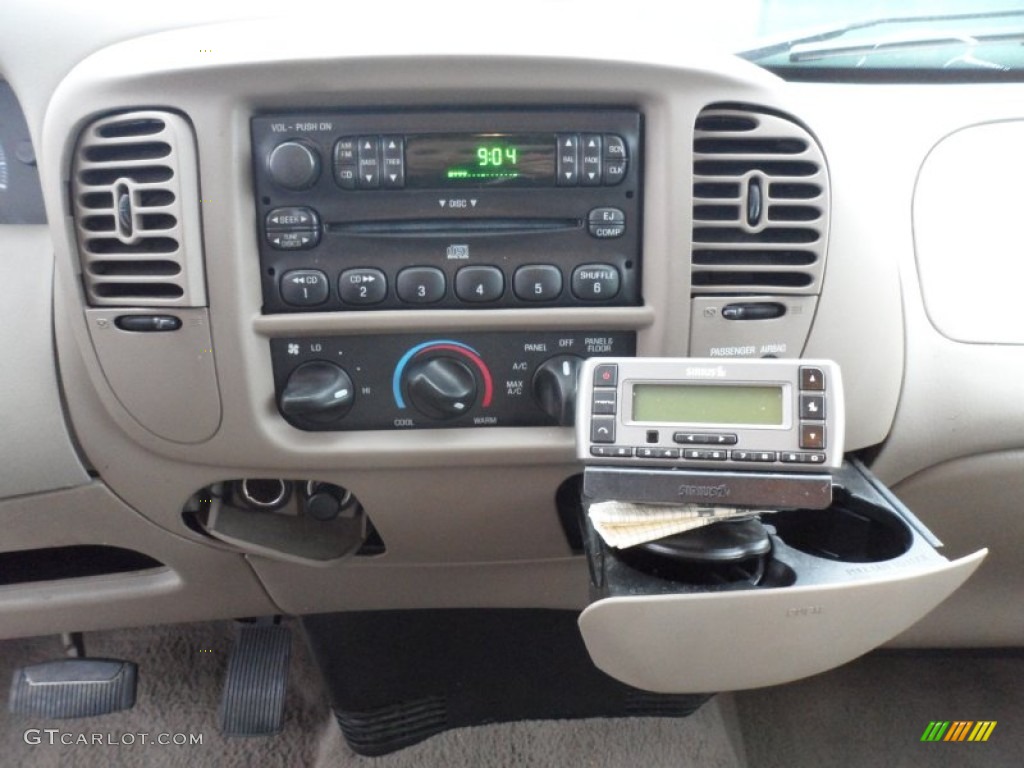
73,688
257,677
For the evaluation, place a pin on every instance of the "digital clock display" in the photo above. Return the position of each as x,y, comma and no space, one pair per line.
480,160
707,404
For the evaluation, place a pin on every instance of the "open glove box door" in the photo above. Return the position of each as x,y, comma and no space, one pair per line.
836,583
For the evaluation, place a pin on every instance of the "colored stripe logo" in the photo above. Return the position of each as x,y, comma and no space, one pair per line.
958,730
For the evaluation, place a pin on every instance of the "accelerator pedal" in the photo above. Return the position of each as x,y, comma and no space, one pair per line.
73,688
254,689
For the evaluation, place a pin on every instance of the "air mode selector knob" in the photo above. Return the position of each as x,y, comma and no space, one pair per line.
294,165
440,387
317,392
554,387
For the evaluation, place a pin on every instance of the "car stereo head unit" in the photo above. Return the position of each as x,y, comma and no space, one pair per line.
765,414
448,209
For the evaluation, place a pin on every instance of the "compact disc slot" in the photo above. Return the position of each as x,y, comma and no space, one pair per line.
449,228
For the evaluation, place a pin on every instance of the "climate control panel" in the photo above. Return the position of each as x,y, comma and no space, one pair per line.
415,381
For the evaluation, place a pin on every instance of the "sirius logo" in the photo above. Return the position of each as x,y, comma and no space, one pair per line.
715,372
704,491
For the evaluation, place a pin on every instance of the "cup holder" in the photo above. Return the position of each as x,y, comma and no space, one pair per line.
852,530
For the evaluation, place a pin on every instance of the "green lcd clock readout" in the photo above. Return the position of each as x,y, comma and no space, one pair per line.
707,404
480,159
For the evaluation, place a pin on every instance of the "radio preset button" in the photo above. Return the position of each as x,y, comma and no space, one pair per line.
812,379
595,282
606,375
790,457
393,154
812,436
362,286
369,162
602,429
755,456
605,400
420,285
611,451
479,284
700,454
593,157
568,171
606,223
647,452
304,287
537,282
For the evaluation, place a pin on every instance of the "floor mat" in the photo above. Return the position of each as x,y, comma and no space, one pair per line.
180,672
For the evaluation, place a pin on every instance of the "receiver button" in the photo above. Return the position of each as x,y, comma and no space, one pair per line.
369,162
362,286
420,285
595,282
593,160
602,429
537,282
568,159
479,284
812,406
606,375
812,436
304,287
604,401
812,379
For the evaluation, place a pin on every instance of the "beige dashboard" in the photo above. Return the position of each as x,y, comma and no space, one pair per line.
468,516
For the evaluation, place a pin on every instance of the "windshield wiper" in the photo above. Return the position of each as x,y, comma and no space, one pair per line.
809,48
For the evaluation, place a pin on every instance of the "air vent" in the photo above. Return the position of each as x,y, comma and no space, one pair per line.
136,200
760,204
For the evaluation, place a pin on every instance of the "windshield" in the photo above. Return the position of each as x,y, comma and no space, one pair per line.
937,36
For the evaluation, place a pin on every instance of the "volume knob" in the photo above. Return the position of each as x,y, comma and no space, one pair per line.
294,165
441,387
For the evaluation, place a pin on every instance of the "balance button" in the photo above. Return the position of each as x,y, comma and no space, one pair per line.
479,284
812,406
595,282
304,287
602,429
592,160
812,436
362,286
812,379
420,285
606,375
537,282
568,172
604,401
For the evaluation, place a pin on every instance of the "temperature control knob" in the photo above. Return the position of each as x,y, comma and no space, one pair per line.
554,387
294,165
318,392
440,387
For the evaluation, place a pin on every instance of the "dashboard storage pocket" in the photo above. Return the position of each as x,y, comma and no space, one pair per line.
778,597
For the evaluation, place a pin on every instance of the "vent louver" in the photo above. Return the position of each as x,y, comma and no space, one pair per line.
136,199
760,204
